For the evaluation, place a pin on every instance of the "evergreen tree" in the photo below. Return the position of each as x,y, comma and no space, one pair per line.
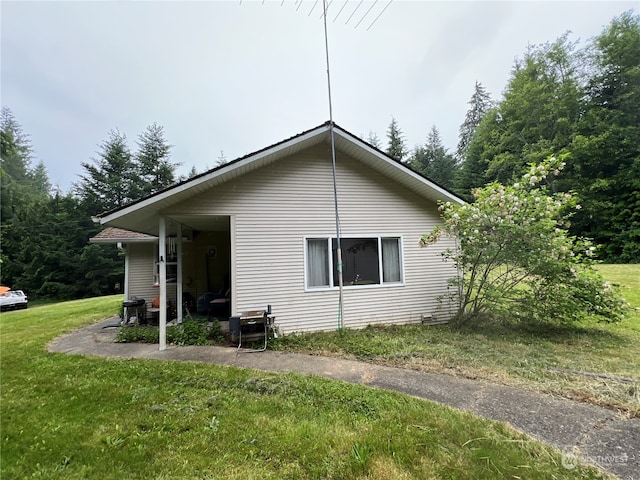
606,150
541,106
374,140
397,148
156,171
44,236
15,147
112,180
434,161
536,118
473,171
480,104
18,200
192,173
583,103
40,179
222,159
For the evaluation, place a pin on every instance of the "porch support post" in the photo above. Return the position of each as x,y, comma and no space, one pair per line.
162,254
179,306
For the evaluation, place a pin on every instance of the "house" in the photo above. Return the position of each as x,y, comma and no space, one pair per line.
264,228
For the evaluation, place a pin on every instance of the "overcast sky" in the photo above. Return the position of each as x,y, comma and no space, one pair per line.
237,76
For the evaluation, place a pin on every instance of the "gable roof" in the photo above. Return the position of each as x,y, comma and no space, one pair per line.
142,215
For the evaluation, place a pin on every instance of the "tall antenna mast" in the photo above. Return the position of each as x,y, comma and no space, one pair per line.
333,164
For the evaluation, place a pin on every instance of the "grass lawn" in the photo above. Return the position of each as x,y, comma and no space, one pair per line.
75,417
543,359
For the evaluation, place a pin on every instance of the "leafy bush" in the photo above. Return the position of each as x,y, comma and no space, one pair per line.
190,332
516,260
214,332
139,333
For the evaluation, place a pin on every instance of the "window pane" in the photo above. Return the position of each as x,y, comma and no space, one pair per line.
391,260
317,262
359,261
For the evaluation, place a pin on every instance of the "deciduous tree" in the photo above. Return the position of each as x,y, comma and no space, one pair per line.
515,258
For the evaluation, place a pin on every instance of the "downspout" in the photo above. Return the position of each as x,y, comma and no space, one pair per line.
162,255
335,187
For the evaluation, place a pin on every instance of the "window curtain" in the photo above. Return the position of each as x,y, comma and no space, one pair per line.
317,262
390,260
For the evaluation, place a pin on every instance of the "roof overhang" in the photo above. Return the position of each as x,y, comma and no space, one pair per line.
109,241
143,215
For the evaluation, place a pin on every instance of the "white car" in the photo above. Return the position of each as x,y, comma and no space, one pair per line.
13,299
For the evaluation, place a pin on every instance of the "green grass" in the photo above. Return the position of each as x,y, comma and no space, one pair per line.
540,358
77,417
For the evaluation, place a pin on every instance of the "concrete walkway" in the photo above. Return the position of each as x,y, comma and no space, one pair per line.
589,433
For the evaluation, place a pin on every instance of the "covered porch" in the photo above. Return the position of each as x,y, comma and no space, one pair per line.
182,263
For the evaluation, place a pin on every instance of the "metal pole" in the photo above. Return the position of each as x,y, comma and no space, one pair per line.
335,188
162,259
179,287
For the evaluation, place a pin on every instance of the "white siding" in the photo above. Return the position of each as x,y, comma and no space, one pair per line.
274,208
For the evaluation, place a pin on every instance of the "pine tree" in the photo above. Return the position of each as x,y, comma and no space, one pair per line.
111,180
374,140
40,179
397,148
18,201
480,104
536,117
156,171
15,147
434,161
606,151
222,159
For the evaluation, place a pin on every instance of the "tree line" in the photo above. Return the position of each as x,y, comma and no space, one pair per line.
581,103
44,248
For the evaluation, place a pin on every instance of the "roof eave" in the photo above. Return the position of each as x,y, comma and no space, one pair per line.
108,241
176,193
368,154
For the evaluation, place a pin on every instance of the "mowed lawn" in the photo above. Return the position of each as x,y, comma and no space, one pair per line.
592,362
76,417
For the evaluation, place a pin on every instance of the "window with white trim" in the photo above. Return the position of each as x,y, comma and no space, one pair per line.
365,260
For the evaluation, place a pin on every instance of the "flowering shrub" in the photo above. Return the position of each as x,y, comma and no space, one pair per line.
515,258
